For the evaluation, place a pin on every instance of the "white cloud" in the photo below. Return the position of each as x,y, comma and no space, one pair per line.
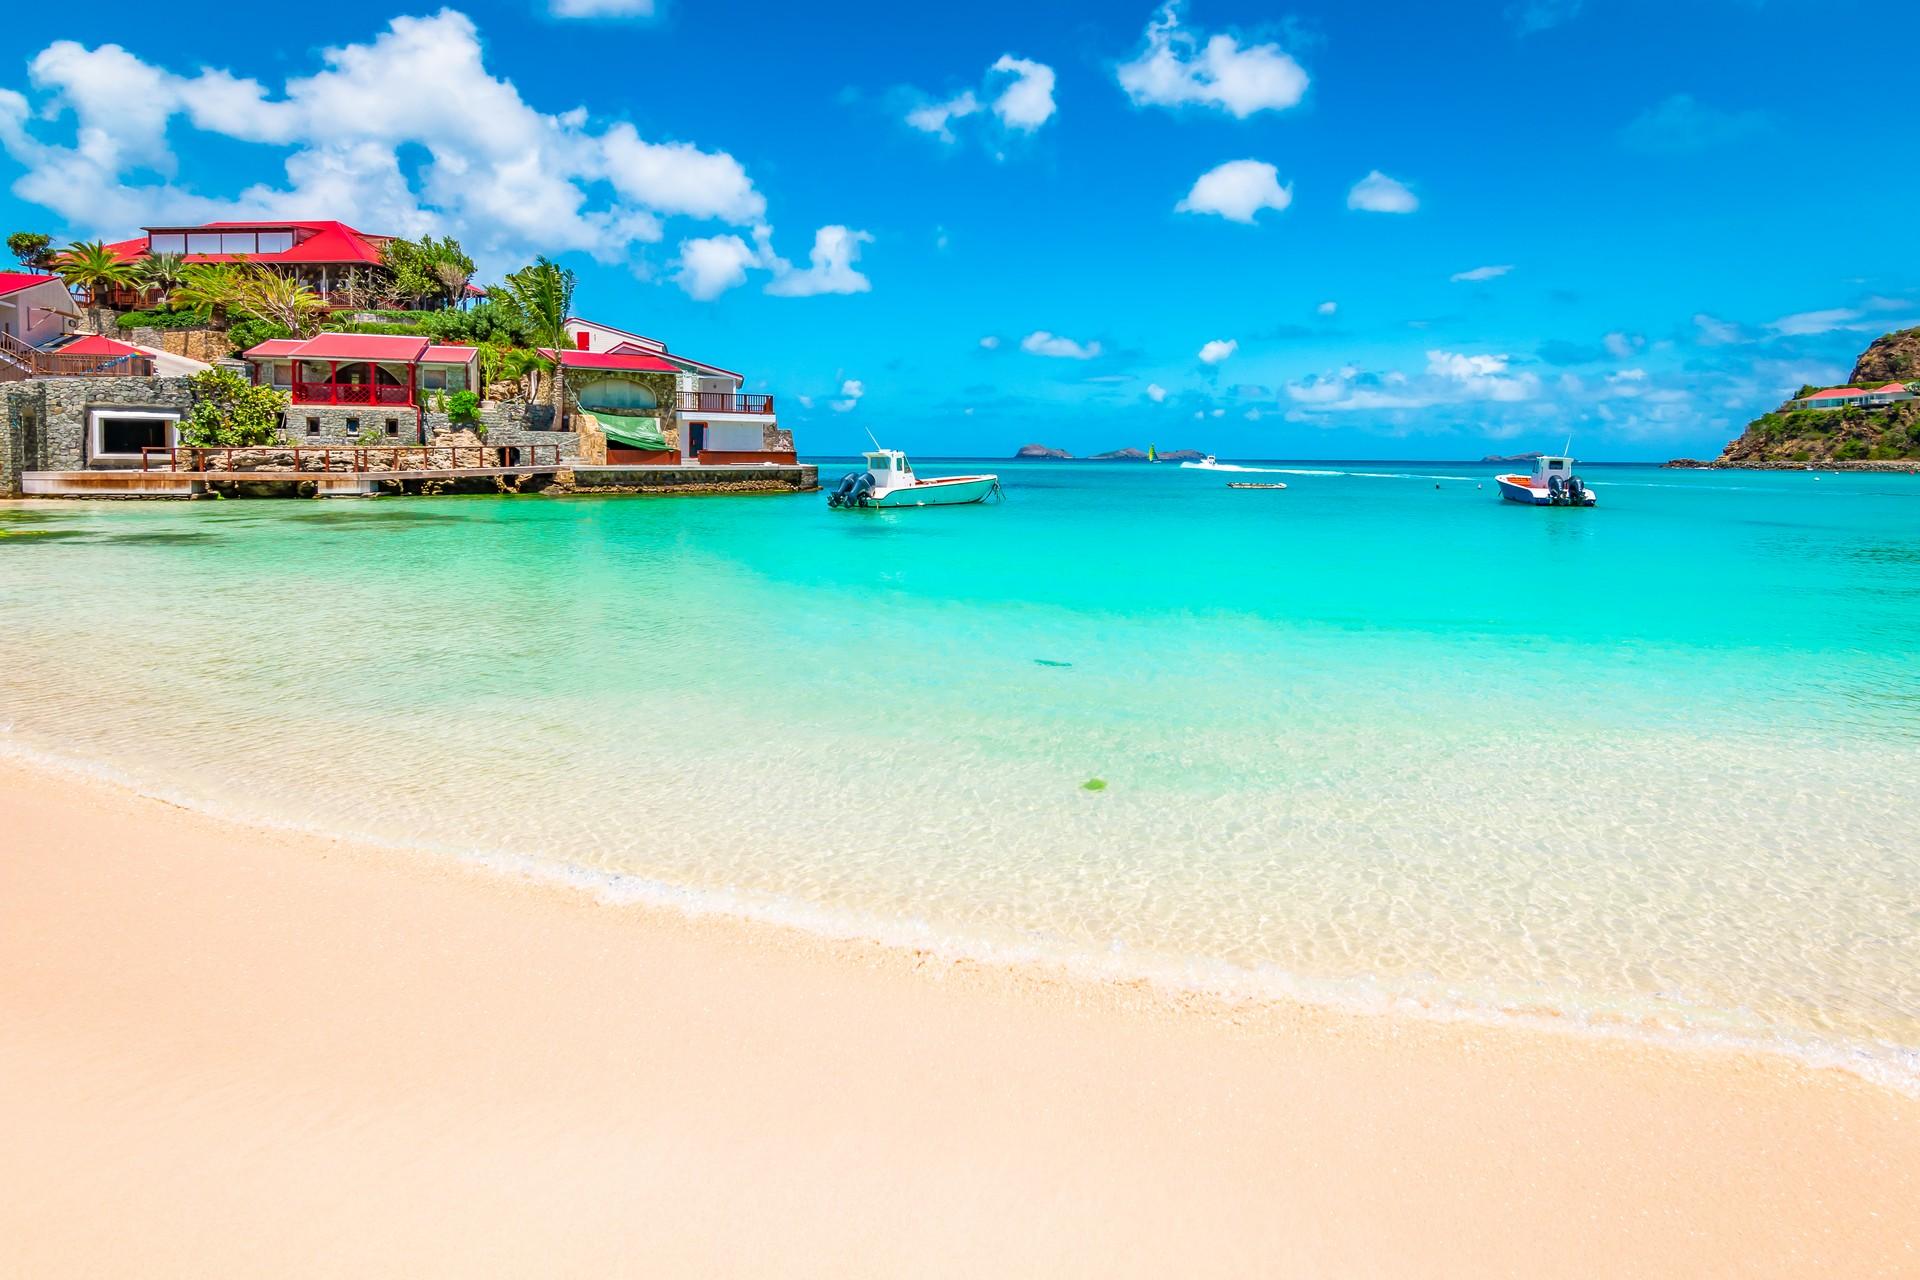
935,117
991,342
1156,392
1327,308
1177,68
711,265
1806,323
1483,377
835,249
1377,193
1042,343
1717,333
1218,350
1237,190
1021,105
1450,378
507,179
600,8
850,392
1027,103
1623,345
1480,273
1680,125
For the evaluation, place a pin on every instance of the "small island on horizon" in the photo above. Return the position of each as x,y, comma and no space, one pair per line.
1032,452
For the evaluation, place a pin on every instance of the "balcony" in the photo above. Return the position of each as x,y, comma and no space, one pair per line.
725,402
18,360
351,393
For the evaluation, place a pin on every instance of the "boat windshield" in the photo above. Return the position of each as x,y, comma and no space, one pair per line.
905,465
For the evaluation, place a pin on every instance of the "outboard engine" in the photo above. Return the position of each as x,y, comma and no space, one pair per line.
843,490
1576,489
1556,490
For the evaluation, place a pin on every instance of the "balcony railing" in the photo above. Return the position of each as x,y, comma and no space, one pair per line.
350,393
21,360
724,402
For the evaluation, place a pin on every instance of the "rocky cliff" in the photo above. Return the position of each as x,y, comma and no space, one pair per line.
1819,436
1041,451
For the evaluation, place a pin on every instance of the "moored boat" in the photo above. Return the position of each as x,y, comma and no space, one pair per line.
1552,484
889,481
1250,484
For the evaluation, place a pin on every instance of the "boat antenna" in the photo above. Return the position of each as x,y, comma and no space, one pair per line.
1568,451
870,436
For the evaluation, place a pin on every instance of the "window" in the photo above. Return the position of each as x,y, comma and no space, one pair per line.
236,242
457,378
282,373
393,426
123,433
276,241
167,242
432,379
313,426
353,426
203,242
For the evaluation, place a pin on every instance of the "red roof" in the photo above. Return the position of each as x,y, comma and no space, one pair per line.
1892,386
626,362
331,242
452,353
15,281
343,346
1835,393
95,344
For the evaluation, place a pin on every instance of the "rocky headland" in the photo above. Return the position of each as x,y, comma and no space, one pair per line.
1882,438
1041,451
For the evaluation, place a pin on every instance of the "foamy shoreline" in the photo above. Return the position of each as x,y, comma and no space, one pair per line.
275,1052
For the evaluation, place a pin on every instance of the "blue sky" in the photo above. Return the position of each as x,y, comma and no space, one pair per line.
1318,230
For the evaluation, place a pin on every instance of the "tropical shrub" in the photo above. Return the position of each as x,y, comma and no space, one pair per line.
428,268
228,411
248,334
168,319
463,407
32,248
211,289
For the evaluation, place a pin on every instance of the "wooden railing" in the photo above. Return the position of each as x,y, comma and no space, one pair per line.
349,459
351,393
724,402
54,364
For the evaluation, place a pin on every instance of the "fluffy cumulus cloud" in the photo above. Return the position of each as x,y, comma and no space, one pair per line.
1681,124
1480,273
1218,350
1377,193
1327,308
1042,343
1156,393
1237,190
851,390
1017,93
830,266
505,177
1450,378
1179,67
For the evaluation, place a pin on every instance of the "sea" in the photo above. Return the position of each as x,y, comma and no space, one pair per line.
1377,741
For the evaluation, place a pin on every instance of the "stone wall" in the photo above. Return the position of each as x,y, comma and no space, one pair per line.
210,345
56,410
513,424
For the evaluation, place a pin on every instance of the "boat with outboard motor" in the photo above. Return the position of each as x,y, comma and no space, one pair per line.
1209,463
889,481
1552,484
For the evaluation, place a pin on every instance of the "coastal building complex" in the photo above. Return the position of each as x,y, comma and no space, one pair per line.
1855,397
611,402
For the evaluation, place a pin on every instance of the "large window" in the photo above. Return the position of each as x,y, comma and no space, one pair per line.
120,433
204,242
276,241
440,377
167,242
247,242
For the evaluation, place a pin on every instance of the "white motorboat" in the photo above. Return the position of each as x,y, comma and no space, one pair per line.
889,481
1209,463
1552,484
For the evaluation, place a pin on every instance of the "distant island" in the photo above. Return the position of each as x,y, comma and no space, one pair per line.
1512,457
1872,423
1041,451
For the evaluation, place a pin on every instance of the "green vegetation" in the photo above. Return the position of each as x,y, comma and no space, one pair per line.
428,268
211,290
463,407
229,411
248,334
33,249
90,266
167,319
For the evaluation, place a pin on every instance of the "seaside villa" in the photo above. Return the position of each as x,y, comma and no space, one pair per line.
356,388
1854,397
318,254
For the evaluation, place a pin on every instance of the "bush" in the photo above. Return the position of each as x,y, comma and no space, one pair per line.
249,334
168,319
463,407
1850,450
229,411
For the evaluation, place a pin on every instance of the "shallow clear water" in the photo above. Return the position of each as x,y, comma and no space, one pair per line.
1377,739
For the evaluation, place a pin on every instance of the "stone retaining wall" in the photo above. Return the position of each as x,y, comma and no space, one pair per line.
47,417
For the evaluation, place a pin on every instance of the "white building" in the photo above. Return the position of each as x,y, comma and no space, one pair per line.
719,422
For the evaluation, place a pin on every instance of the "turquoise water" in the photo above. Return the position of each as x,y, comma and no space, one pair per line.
1378,740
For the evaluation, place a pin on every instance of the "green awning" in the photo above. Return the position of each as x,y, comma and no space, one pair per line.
634,433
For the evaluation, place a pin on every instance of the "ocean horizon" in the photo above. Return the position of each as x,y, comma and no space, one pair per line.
1376,741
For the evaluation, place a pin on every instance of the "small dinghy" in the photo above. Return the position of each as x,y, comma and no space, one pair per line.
1552,484
1249,484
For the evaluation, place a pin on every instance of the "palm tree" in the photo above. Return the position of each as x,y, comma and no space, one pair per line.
282,299
542,294
212,289
163,272
90,266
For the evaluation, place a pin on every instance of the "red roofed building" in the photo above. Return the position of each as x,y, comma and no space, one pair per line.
35,309
1854,397
318,253
361,386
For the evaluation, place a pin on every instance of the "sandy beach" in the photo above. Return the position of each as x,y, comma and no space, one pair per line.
229,1051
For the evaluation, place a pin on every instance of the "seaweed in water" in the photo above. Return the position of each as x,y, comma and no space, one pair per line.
1094,784
1049,662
